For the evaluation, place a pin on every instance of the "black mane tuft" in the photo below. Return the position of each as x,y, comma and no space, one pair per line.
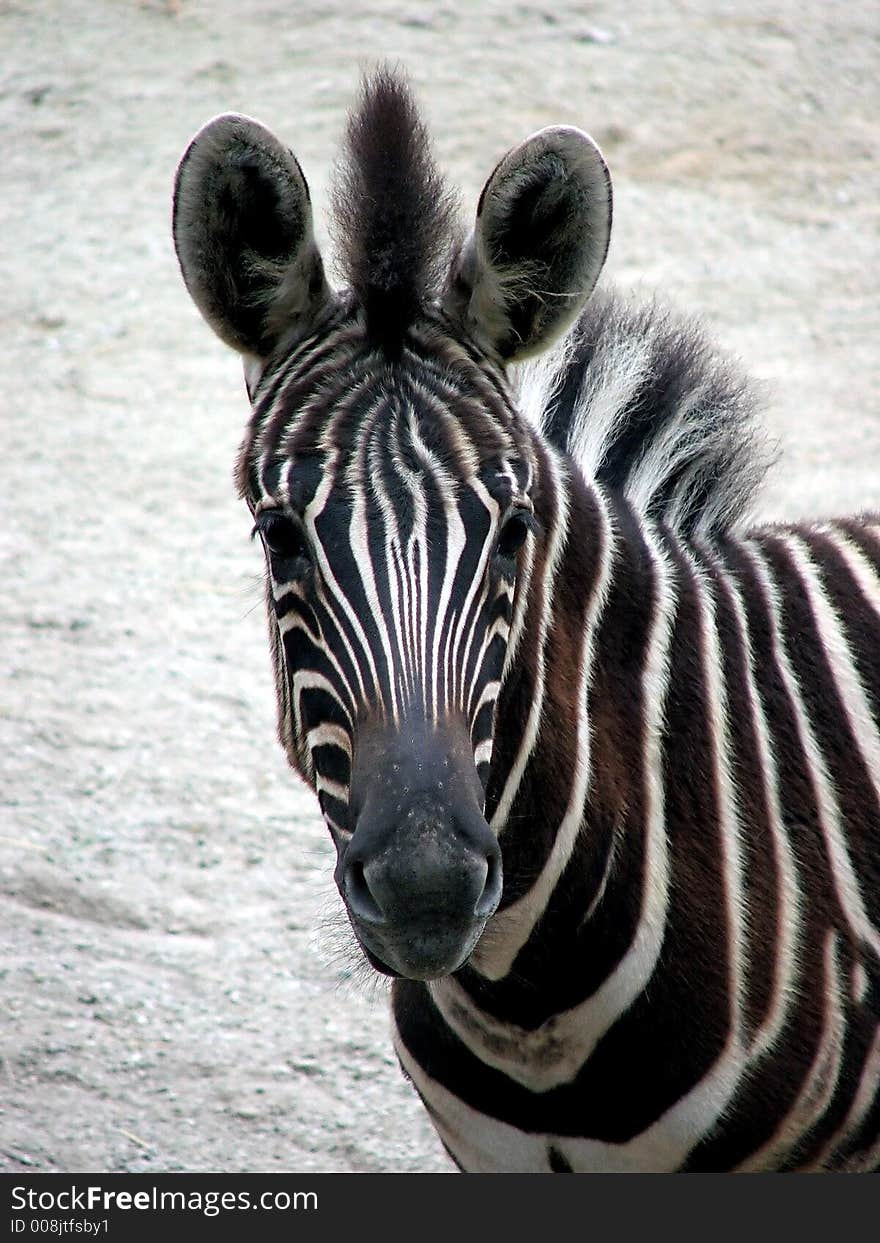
649,408
394,215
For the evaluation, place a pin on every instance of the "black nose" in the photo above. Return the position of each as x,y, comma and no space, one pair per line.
432,868
421,874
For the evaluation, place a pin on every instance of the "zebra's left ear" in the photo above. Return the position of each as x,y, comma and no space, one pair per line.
538,246
243,234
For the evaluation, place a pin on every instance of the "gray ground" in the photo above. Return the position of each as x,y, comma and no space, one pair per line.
171,997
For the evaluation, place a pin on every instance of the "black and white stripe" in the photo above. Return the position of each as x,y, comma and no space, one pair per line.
400,477
674,715
702,992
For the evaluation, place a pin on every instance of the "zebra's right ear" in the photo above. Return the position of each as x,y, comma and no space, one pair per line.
243,234
539,243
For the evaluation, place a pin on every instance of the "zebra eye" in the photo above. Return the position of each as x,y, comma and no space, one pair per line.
513,533
284,537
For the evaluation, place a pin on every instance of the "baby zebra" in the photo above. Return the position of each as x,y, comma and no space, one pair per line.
601,765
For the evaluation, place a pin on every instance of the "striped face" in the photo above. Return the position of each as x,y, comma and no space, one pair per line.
392,500
388,476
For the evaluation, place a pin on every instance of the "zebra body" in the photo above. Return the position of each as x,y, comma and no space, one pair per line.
717,1009
600,762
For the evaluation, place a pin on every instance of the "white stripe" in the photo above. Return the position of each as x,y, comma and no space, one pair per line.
329,735
397,642
790,913
818,1087
862,570
842,874
554,1052
483,752
325,785
309,679
487,695
499,627
861,1103
484,1145
718,709
295,621
454,545
417,598
540,608
477,585
331,585
837,650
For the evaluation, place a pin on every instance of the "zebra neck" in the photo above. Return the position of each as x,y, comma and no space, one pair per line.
570,714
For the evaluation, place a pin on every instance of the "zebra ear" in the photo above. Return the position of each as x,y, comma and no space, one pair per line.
243,234
538,246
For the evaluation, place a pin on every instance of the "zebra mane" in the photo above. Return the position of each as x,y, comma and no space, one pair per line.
394,215
649,408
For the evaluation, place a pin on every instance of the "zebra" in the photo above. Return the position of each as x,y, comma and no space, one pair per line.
598,753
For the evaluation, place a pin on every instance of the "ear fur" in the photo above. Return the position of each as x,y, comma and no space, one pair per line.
243,233
540,240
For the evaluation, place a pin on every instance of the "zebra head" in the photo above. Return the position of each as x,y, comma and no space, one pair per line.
392,483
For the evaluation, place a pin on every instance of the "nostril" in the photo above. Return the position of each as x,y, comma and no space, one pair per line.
491,895
359,896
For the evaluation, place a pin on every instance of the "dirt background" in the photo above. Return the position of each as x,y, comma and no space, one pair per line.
173,993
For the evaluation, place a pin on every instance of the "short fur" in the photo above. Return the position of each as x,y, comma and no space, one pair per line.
655,944
243,231
649,408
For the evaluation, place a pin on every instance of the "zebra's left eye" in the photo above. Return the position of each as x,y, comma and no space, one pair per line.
513,533
284,537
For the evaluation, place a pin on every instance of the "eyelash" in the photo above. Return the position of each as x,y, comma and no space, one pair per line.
513,533
284,537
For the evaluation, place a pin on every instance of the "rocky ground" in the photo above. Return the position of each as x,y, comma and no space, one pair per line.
175,988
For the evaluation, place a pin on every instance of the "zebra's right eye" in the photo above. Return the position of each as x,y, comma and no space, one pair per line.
513,534
284,538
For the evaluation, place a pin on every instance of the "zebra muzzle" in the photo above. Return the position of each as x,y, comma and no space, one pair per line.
421,875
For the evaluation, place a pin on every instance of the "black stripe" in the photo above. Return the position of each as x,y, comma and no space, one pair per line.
857,613
760,898
850,779
857,1037
672,1034
767,1095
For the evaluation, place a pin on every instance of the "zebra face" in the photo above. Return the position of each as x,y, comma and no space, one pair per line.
389,476
394,558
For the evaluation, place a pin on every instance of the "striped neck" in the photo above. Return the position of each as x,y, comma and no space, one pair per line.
579,754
